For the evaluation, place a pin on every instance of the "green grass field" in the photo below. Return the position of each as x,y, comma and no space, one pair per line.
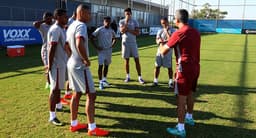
225,101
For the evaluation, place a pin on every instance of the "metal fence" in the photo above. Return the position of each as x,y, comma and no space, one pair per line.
20,13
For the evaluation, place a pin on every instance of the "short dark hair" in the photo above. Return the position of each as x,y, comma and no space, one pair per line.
59,12
128,10
83,6
107,18
47,14
164,18
182,15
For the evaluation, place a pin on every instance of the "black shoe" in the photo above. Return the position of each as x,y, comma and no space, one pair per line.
59,110
56,122
154,84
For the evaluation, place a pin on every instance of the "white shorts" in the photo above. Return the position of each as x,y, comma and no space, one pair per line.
44,55
57,78
130,51
80,80
104,57
165,61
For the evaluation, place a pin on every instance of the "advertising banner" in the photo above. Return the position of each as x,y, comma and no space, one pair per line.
248,31
153,30
229,30
19,35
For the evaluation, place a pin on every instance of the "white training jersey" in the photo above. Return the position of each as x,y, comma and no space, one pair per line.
43,29
162,34
104,36
129,37
57,35
75,30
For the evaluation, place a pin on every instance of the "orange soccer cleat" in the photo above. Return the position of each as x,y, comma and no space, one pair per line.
78,127
97,132
64,102
67,96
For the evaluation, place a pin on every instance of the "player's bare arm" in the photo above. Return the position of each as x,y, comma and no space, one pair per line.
113,41
52,49
163,49
134,32
123,28
37,24
93,40
67,49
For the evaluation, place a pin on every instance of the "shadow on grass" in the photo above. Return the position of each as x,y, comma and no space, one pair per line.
13,64
32,56
147,127
157,129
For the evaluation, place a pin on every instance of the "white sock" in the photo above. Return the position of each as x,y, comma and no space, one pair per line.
100,81
67,92
189,116
170,81
181,126
91,126
127,75
140,77
155,80
104,79
74,122
59,106
52,115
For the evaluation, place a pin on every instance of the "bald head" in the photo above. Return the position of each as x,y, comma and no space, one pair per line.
82,7
83,13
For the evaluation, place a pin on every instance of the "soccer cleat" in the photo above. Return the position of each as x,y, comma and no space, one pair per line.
154,84
170,85
55,121
97,132
105,83
190,121
67,96
78,127
176,132
64,102
127,79
59,109
141,81
101,86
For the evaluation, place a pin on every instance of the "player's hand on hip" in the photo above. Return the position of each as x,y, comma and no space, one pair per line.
87,63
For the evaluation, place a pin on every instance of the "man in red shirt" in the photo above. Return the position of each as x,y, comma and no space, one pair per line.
186,44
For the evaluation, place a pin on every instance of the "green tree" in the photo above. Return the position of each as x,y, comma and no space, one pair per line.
208,13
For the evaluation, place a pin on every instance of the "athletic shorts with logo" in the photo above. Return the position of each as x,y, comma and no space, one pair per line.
129,50
164,60
80,79
186,81
104,56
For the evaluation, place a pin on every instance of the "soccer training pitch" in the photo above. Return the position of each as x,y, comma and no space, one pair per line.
225,105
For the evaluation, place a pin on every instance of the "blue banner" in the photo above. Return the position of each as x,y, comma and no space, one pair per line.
205,25
19,35
229,30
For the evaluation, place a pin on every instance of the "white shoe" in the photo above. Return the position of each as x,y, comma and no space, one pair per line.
105,83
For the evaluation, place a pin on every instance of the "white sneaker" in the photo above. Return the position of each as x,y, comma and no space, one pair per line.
170,84
141,81
105,83
101,87
127,79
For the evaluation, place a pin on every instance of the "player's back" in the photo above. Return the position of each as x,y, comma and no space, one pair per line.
77,30
189,46
56,34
